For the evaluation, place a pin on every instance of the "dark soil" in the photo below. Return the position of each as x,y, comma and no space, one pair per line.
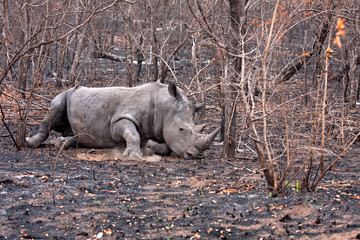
78,194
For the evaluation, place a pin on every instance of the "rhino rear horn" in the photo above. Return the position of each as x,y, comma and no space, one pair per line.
206,140
199,128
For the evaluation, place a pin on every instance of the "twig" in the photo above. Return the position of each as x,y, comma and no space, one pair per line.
8,129
314,185
253,173
55,165
206,27
53,173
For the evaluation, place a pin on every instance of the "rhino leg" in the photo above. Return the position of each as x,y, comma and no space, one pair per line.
56,119
126,129
42,134
151,147
65,142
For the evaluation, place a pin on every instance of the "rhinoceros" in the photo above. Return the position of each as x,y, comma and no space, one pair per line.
152,118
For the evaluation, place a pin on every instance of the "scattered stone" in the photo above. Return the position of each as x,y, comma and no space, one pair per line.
317,220
285,218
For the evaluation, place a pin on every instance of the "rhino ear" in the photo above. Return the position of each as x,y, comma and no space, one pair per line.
199,106
173,91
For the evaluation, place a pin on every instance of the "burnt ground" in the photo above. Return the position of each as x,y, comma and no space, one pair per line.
79,194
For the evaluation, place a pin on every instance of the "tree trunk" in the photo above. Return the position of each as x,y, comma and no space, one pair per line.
287,73
318,46
353,79
237,10
76,61
61,51
154,48
140,59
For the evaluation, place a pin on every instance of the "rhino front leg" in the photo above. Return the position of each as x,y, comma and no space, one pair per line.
125,129
152,147
65,142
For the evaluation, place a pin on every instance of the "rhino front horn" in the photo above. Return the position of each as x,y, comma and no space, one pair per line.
207,140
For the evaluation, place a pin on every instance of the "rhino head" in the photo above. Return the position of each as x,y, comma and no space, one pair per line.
181,134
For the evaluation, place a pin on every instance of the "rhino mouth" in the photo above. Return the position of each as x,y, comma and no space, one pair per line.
193,154
189,153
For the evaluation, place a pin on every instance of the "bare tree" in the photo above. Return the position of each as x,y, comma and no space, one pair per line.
27,34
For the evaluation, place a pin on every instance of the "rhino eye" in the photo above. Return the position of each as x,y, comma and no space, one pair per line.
181,129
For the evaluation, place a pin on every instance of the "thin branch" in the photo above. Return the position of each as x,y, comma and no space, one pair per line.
271,164
206,28
314,185
8,129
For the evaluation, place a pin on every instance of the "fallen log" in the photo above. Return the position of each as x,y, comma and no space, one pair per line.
108,55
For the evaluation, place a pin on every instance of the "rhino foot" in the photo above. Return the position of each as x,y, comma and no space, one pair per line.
33,142
134,155
65,142
152,147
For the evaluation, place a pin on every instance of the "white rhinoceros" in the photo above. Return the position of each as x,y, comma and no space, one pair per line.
155,117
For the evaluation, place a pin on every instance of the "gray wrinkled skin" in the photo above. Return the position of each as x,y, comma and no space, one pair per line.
153,118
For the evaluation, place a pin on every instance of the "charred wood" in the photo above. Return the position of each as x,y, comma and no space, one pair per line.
108,55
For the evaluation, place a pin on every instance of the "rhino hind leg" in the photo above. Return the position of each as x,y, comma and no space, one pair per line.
42,134
56,119
125,129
